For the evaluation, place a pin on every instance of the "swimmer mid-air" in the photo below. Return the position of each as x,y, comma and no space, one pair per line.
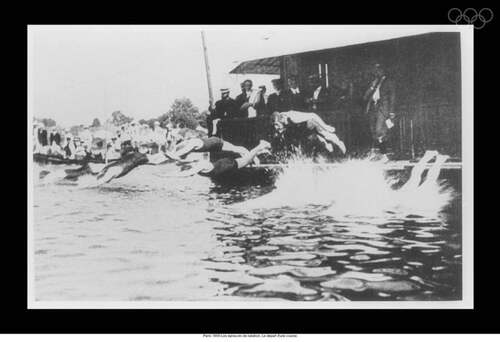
222,166
90,175
211,144
326,133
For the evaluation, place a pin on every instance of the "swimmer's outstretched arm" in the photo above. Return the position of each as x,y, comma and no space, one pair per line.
156,159
185,148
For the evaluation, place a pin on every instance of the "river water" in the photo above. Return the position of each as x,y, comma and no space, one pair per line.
309,234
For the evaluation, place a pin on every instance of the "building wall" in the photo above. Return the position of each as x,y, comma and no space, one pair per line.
426,70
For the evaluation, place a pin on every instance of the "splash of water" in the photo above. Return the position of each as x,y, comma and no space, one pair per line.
358,187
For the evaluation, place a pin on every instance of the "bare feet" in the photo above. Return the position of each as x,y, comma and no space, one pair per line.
441,158
342,147
429,155
325,143
264,144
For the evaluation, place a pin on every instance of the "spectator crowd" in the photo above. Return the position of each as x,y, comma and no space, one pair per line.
103,144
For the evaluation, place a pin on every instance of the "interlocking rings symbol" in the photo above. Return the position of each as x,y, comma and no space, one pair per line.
471,16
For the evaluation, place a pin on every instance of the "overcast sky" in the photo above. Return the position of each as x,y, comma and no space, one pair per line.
78,73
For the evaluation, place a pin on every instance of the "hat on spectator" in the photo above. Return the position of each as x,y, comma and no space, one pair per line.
277,82
224,90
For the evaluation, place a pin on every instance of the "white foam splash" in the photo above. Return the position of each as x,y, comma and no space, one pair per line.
357,187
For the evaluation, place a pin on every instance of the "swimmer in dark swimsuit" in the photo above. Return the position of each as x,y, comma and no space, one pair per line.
211,144
223,165
98,174
325,133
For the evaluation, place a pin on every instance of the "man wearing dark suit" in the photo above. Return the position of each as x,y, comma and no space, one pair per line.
241,98
317,97
380,101
279,101
42,136
224,108
297,97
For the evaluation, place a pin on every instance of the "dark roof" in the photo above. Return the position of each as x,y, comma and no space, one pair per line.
271,65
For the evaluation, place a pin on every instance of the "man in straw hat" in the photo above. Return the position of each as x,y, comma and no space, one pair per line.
224,108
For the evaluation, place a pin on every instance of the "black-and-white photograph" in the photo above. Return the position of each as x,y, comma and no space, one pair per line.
250,166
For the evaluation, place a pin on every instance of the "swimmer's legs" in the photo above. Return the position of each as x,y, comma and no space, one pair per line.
263,147
435,170
418,169
325,143
227,146
332,137
318,121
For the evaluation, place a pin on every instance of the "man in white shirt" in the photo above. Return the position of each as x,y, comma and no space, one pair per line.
318,95
86,136
247,102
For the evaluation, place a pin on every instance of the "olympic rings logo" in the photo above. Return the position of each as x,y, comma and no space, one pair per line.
471,16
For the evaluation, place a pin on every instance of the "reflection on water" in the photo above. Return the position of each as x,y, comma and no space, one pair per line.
305,237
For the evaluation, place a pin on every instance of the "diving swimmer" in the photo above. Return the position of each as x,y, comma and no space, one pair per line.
326,133
98,174
210,144
223,165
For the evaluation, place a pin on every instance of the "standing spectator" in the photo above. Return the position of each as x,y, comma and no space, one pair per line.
80,152
36,143
261,106
126,139
247,101
380,101
317,98
55,143
279,101
69,147
240,100
224,108
42,136
86,136
297,98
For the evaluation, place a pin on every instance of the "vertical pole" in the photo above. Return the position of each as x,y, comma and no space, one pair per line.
326,75
411,138
106,150
401,136
207,68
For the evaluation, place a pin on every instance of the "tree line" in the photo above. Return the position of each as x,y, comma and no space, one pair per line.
182,113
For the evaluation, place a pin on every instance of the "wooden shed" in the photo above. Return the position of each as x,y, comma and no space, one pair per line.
426,69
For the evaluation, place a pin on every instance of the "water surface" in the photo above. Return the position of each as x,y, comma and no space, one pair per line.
309,236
